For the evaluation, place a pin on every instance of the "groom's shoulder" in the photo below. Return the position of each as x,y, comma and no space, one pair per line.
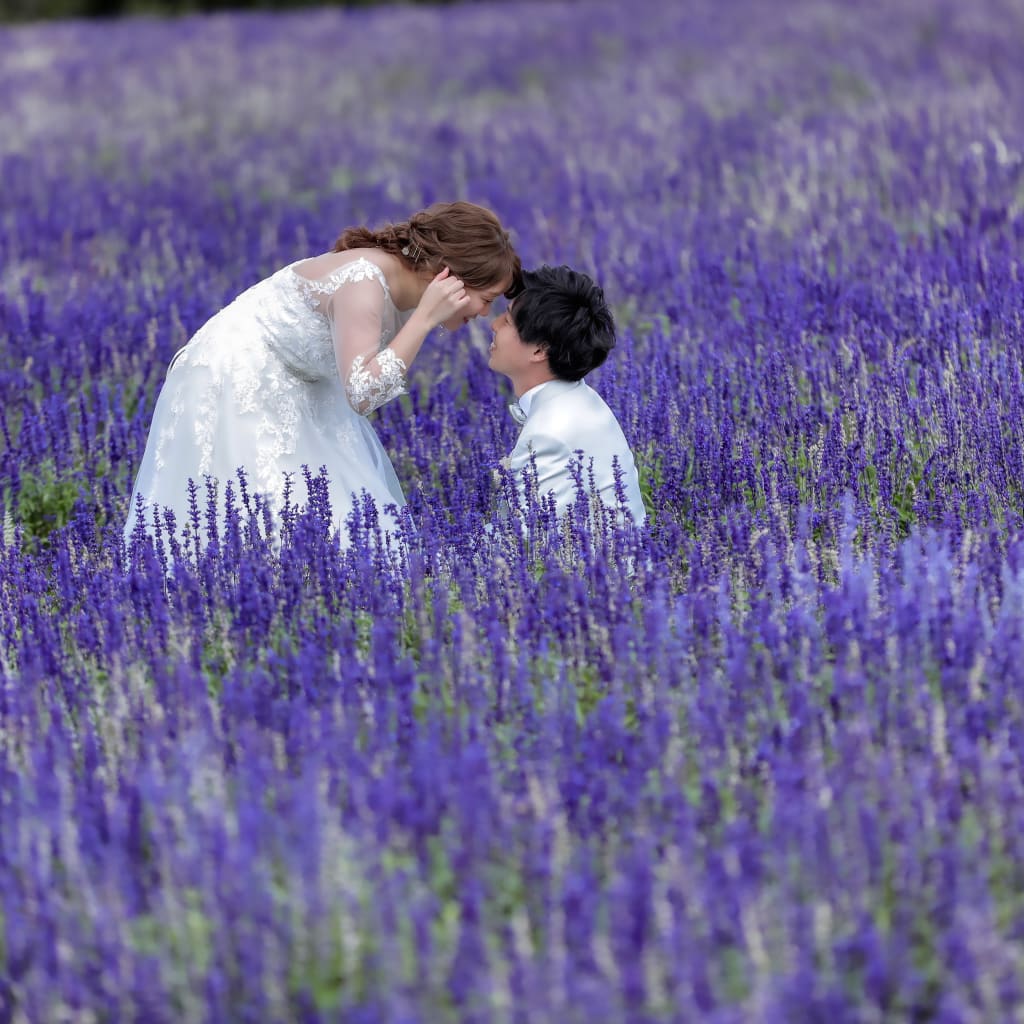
574,408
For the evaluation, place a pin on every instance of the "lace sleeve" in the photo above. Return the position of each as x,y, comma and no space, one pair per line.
371,375
370,386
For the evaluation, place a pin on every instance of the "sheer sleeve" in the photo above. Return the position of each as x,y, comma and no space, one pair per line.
372,375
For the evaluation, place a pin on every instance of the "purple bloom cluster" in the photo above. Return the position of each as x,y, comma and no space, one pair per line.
762,762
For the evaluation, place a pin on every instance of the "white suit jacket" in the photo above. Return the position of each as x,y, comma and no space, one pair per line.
566,417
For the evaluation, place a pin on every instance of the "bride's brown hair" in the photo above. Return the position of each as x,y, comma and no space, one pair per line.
466,238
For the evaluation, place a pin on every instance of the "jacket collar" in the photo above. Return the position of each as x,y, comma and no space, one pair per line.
546,392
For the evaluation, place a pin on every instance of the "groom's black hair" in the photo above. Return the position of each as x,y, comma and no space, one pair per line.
564,311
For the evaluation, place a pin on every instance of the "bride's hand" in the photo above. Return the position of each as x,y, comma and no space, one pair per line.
445,296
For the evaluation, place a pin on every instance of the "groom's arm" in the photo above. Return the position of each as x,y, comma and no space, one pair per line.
548,455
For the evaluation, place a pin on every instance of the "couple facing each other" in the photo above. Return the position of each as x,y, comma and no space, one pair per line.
283,377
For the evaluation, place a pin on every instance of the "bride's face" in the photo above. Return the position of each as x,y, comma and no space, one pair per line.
479,304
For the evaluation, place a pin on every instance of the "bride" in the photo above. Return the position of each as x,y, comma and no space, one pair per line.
284,376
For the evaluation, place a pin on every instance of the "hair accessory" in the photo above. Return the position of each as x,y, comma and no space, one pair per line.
413,251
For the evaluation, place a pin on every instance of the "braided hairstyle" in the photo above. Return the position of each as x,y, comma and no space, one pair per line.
466,238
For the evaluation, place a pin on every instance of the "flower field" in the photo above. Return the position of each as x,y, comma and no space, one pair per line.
763,762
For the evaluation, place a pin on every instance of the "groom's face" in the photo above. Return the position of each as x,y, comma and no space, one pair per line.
509,354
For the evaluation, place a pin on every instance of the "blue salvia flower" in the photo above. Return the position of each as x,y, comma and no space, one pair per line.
757,761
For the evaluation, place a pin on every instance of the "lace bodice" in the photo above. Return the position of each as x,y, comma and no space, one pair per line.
308,338
295,321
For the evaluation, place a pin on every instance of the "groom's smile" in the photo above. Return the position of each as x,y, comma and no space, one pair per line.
510,355
504,340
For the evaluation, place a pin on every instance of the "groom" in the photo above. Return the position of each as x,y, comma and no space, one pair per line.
554,332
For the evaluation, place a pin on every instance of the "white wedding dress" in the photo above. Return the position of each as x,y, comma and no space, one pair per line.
274,382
